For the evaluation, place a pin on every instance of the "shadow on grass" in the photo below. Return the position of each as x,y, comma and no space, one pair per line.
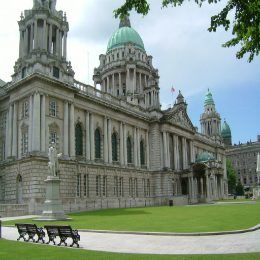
111,212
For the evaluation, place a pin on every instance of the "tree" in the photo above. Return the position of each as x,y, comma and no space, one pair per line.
240,189
245,24
231,175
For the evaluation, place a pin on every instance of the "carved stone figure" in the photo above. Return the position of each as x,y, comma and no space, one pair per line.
51,4
53,163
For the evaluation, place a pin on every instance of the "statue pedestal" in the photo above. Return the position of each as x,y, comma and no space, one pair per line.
53,209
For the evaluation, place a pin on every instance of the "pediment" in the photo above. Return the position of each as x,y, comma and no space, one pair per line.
181,118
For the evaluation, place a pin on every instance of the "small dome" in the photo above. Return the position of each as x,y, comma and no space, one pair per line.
208,99
225,131
204,157
124,35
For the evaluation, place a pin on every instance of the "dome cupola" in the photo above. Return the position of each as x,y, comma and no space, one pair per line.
125,34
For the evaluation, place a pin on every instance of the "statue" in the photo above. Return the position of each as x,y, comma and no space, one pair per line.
53,163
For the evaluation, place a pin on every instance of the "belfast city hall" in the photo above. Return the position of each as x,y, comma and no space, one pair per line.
119,148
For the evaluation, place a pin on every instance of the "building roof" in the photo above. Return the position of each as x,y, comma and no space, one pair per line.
123,35
204,157
208,99
225,131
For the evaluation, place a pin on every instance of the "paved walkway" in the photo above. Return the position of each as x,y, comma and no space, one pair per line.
153,244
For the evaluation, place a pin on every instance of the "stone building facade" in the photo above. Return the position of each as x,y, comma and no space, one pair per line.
119,148
244,160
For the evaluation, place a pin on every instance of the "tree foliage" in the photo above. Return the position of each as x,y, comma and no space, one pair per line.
245,23
231,175
240,189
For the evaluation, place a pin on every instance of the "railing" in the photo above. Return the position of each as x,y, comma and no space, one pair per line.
91,91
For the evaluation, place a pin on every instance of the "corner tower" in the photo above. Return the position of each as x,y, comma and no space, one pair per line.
43,43
126,71
210,120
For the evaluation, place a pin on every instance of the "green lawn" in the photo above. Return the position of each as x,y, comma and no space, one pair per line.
201,218
20,250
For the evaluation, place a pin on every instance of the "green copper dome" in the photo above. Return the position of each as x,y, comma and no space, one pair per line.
225,131
125,34
208,99
204,157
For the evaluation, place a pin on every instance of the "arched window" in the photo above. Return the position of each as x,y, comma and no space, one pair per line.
114,147
97,144
142,160
79,139
129,150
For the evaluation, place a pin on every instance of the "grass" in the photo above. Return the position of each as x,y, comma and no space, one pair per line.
20,250
203,218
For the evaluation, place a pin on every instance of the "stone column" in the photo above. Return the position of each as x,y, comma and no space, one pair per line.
165,149
201,186
35,35
26,41
87,137
134,81
36,123
140,83
109,140
45,38
125,144
147,150
113,84
183,152
30,132
208,188
92,140
108,84
193,188
105,140
121,151
57,42
138,148
66,129
43,124
65,45
120,83
176,152
135,147
72,131
168,151
14,131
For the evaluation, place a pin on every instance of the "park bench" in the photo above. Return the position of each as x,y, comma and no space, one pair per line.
65,232
31,230
52,232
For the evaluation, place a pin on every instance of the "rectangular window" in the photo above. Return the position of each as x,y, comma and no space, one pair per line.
148,188
86,185
144,187
130,187
98,185
56,72
121,187
53,137
116,186
135,188
25,109
24,145
78,185
53,108
104,188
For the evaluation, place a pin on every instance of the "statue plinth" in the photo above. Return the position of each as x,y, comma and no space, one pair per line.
52,208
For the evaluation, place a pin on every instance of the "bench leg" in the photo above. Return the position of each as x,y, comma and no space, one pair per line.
75,241
21,236
51,239
63,241
40,238
30,238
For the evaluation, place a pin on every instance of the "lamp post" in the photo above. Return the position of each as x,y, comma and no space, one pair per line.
258,175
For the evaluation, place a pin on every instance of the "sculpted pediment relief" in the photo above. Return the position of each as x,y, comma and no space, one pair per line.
181,118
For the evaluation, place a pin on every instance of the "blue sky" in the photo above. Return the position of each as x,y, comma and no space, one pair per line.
188,57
